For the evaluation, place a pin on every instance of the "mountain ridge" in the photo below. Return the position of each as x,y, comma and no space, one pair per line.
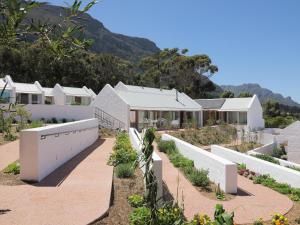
264,94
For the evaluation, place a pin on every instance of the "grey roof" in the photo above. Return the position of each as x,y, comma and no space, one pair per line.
140,98
236,104
211,103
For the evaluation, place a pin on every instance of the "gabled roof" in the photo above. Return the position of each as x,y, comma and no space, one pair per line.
2,85
140,98
236,104
48,91
76,92
27,88
216,103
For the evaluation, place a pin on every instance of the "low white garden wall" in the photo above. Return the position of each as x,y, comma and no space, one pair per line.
265,149
69,112
44,149
136,141
278,172
221,171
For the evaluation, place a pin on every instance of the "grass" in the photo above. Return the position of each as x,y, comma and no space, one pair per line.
13,168
222,134
35,124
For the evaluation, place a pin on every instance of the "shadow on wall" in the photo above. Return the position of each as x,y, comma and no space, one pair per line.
57,177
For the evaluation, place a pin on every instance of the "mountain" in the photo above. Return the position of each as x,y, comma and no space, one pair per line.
263,94
105,41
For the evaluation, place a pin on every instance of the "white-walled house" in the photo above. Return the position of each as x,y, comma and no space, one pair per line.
245,112
24,93
142,107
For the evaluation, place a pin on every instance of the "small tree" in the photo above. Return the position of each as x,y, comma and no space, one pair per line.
245,95
227,94
23,116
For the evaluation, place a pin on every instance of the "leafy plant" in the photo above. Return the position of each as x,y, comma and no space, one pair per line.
279,219
221,217
125,170
136,201
170,215
258,222
35,124
266,158
123,151
54,120
199,178
140,216
166,146
219,193
294,168
13,168
242,166
200,219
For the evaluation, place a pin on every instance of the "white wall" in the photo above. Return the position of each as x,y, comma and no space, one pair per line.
136,142
221,171
110,102
279,173
265,149
59,95
44,149
69,112
255,119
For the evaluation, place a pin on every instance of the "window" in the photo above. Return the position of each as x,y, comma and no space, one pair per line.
34,99
77,100
49,100
22,98
243,118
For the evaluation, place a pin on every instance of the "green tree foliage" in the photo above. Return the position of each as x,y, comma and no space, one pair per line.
245,95
227,94
172,68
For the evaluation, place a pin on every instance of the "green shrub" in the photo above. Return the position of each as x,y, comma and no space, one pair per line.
136,201
266,158
242,166
170,215
36,124
10,137
64,120
166,146
222,217
294,168
140,216
279,152
180,161
258,222
199,178
125,170
123,151
13,168
266,180
54,120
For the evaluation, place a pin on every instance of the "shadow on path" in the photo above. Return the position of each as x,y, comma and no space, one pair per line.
57,177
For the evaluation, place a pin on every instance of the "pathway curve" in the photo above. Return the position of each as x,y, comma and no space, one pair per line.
9,153
76,193
253,201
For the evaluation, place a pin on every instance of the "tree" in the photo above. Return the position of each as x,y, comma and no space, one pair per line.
245,95
227,94
173,68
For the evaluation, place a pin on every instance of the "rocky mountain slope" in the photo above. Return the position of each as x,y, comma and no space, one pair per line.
263,94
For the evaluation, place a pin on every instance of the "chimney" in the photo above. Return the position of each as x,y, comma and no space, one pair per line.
176,95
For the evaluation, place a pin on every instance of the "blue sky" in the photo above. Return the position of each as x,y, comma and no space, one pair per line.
251,41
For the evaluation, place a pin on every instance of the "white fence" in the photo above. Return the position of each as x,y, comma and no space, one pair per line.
265,149
44,149
221,171
136,141
68,112
279,173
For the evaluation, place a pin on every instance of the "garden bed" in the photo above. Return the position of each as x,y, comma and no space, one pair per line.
245,147
120,209
222,134
9,177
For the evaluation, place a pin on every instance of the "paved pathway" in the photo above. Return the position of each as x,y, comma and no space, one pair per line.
76,193
9,153
252,202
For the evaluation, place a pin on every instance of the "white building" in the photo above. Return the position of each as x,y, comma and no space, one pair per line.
23,93
141,107
245,112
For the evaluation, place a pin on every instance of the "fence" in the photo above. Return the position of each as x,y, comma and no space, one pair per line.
44,149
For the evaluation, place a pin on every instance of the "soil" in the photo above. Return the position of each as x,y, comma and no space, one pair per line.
10,179
120,209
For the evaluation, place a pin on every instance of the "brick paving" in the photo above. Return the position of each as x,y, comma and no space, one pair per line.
76,193
252,202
